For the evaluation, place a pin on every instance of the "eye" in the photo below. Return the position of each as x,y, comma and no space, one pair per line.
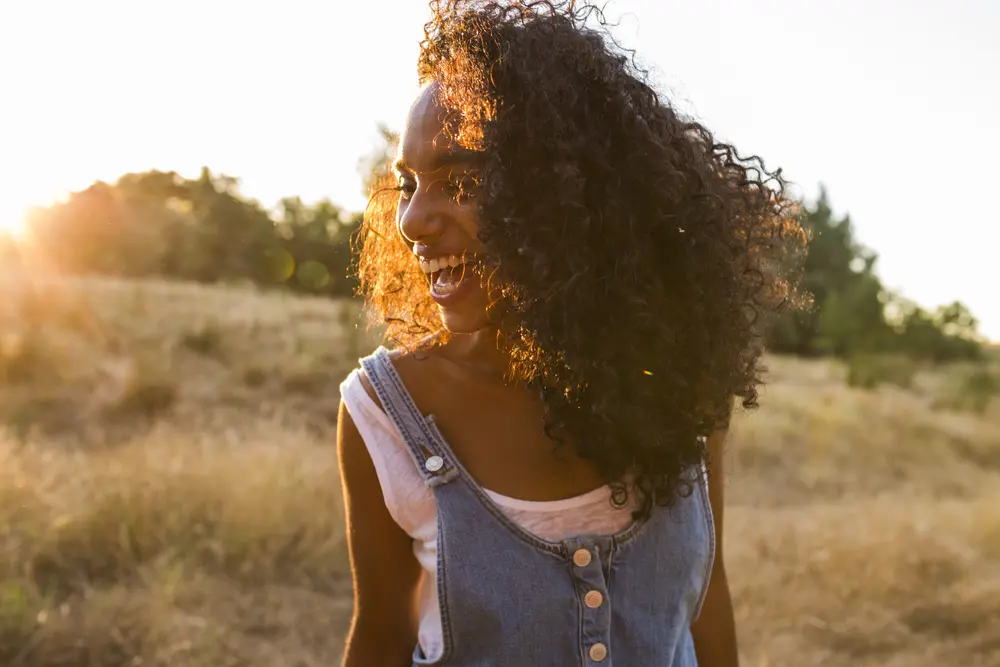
406,186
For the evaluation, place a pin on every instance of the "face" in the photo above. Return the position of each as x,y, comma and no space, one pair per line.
437,215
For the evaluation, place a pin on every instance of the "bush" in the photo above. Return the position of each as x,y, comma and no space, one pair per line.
868,371
974,390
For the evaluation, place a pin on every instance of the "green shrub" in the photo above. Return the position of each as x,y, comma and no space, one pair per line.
868,371
973,390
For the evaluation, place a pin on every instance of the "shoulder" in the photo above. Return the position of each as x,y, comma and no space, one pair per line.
371,440
355,382
415,366
366,384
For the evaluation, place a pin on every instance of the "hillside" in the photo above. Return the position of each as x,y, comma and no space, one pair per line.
169,495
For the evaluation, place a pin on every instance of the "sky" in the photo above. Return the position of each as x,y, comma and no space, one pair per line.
893,105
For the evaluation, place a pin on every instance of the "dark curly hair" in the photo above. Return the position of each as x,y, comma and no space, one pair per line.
638,259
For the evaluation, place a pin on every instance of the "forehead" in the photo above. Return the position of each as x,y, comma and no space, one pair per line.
424,142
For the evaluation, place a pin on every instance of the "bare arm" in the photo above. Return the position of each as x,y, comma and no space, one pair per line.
715,630
385,572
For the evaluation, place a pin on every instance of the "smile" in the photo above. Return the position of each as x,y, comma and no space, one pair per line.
448,274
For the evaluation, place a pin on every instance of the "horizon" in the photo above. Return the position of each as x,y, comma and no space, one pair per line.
864,98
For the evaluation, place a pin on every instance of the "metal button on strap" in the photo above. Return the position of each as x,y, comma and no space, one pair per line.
598,652
593,599
434,463
581,558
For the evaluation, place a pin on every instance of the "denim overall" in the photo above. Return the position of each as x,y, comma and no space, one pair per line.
511,599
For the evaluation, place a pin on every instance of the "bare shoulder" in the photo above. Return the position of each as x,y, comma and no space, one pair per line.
412,364
409,362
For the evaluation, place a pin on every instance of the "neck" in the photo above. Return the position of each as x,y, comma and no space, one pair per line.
480,352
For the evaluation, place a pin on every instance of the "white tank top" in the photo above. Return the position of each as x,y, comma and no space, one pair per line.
411,504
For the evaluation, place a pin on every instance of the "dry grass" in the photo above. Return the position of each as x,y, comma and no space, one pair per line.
169,495
864,526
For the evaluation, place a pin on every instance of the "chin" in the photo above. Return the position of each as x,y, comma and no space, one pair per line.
466,314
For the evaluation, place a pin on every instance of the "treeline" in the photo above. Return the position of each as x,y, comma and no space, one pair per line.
160,224
854,314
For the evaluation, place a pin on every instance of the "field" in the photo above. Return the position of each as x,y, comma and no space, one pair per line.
169,492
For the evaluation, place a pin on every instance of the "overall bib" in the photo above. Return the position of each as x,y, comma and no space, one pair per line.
510,599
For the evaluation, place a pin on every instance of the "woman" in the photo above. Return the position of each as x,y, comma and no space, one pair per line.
575,276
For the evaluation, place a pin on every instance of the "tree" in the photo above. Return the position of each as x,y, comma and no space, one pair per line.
157,223
852,311
852,318
949,333
839,274
316,245
87,233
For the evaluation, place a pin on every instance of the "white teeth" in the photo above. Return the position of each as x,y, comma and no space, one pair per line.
430,266
447,282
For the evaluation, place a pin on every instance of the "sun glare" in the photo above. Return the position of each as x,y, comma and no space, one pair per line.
13,219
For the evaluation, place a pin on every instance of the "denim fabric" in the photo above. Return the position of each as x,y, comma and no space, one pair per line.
511,599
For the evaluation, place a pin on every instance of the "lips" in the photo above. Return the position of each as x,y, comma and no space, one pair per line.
447,273
451,275
449,279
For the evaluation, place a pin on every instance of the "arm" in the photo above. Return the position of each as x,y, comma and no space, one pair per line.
715,630
385,572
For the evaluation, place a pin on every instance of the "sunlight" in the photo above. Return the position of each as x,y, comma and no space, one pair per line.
13,218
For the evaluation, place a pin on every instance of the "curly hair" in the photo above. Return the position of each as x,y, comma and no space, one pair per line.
639,260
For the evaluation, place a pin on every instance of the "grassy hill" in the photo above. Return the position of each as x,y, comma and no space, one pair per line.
169,493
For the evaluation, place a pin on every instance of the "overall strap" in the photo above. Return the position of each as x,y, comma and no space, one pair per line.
432,458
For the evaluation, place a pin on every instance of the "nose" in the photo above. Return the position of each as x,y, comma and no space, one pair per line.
420,219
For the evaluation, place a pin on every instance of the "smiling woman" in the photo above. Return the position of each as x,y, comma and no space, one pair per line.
574,277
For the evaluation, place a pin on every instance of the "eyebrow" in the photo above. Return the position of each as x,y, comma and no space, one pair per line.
449,159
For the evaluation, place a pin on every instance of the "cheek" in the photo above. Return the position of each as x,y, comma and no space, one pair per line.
468,220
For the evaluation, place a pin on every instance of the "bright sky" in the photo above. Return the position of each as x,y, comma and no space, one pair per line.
893,104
